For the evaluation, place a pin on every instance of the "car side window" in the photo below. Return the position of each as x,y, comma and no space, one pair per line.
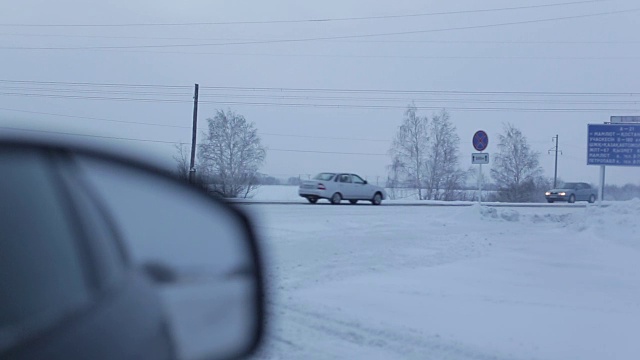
42,269
344,178
357,179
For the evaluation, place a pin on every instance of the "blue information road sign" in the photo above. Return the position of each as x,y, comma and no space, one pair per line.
613,145
480,140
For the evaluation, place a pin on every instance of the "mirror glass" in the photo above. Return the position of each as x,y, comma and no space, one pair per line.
196,245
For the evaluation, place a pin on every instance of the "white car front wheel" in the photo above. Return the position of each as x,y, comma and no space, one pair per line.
377,199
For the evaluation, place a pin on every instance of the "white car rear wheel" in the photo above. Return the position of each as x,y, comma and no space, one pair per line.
336,199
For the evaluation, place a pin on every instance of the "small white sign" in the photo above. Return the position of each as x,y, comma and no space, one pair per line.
624,119
480,158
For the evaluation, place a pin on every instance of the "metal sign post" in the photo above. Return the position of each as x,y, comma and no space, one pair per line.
601,195
480,142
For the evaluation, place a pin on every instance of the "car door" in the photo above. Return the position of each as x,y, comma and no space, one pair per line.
362,189
346,187
583,192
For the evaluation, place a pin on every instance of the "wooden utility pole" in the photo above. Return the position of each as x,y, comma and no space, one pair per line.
555,172
194,132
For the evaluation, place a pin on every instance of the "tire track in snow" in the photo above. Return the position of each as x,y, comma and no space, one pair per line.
363,339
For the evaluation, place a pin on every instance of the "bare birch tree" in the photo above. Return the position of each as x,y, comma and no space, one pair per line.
409,150
425,156
231,154
516,167
182,161
443,175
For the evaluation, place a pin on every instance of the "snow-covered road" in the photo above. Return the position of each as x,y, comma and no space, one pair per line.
451,282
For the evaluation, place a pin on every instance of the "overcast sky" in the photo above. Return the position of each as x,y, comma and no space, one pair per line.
470,57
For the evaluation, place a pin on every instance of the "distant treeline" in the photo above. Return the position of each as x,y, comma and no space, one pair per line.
619,193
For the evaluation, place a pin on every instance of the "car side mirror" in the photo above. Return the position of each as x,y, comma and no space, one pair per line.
184,266
365,182
200,249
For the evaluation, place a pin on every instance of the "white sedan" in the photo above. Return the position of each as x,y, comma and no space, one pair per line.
340,186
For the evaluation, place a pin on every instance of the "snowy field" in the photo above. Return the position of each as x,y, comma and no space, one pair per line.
394,282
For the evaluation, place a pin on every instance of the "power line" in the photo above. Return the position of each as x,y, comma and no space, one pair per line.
430,92
453,108
327,152
470,27
512,42
185,127
307,97
177,142
327,90
376,41
94,84
94,91
364,56
421,100
82,97
315,20
324,137
93,118
319,105
89,135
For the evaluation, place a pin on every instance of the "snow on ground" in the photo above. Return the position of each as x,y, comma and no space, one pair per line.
367,282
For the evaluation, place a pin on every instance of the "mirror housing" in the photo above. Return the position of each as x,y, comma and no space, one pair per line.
161,231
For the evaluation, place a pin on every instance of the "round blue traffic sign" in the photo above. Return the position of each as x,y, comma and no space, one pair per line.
480,140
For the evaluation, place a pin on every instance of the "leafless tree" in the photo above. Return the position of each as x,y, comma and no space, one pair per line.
425,156
231,155
516,167
182,161
409,150
394,180
443,175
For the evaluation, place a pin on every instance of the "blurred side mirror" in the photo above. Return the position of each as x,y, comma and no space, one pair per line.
122,260
200,249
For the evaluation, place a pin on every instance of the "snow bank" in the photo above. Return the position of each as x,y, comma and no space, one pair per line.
469,282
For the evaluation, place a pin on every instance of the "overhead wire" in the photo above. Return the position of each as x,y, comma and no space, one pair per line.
364,41
95,84
184,126
317,104
392,91
283,89
179,143
312,39
35,91
313,20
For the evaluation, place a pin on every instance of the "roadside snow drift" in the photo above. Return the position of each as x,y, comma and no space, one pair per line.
451,282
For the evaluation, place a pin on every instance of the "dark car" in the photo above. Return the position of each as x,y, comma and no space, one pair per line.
572,192
73,286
